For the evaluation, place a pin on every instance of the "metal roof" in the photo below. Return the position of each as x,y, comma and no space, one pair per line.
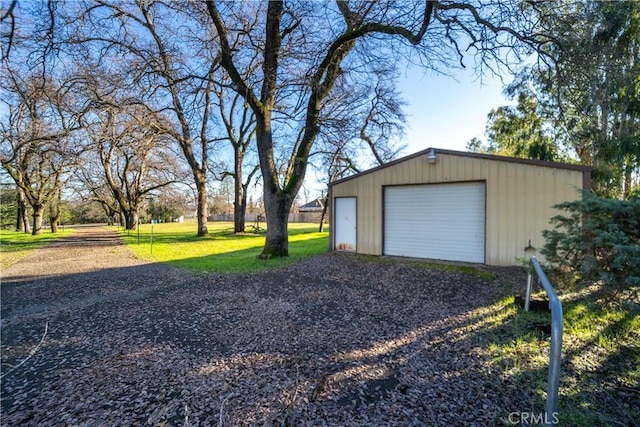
493,157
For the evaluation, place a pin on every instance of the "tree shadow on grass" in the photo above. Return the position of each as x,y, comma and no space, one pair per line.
248,261
599,375
605,368
224,252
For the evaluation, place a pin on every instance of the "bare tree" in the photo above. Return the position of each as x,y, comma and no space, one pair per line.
14,204
55,210
171,67
92,187
306,48
238,129
8,23
42,112
22,217
361,123
129,144
362,126
38,137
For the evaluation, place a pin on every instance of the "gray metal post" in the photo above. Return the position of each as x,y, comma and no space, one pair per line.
527,296
555,356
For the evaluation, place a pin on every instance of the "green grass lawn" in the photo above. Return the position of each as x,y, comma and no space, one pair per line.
14,245
221,251
600,373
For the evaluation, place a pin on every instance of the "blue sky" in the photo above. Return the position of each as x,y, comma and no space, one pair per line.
442,112
446,112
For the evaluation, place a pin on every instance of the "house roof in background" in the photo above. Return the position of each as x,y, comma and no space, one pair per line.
314,204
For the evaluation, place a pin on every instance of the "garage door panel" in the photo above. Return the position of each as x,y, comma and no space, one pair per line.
441,221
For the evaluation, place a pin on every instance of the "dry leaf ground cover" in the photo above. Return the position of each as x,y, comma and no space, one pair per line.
332,340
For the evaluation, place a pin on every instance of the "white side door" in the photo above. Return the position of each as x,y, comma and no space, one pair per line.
345,235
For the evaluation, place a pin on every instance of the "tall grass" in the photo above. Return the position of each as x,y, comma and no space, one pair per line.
221,251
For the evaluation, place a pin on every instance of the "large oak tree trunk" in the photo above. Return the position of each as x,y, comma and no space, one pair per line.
240,195
37,219
22,220
131,219
239,210
54,221
277,206
325,205
244,205
135,219
127,220
25,220
202,214
55,212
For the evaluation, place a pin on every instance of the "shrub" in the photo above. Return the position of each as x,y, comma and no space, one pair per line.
597,238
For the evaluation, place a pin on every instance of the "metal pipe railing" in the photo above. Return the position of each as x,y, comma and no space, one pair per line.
555,356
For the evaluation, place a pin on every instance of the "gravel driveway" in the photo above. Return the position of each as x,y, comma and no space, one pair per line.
334,340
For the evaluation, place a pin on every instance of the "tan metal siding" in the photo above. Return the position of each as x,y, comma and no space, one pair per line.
519,199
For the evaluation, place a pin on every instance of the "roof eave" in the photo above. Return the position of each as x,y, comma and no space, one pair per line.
492,157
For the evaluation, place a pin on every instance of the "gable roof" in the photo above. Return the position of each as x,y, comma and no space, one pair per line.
494,157
314,204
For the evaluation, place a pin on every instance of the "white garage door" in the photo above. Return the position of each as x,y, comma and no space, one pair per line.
439,221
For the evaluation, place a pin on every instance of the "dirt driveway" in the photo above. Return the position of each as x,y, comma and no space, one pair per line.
93,337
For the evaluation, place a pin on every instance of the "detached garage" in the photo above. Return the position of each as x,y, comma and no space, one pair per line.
453,206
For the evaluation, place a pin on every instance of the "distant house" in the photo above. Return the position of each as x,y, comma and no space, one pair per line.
191,211
313,206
